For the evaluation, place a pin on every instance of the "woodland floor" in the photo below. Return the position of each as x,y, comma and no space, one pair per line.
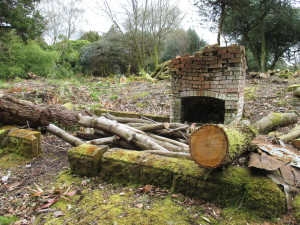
262,97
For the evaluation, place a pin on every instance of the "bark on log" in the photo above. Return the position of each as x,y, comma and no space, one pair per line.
103,141
213,146
182,155
273,120
64,135
153,127
125,120
120,130
18,112
295,133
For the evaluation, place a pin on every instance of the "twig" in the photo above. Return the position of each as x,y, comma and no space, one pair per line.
145,118
67,221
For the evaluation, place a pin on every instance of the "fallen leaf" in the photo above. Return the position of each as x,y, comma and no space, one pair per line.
140,205
51,202
72,193
206,219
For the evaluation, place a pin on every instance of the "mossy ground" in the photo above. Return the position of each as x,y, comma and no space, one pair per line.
12,160
116,204
8,220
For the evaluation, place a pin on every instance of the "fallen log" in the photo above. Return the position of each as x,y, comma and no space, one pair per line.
153,127
273,120
103,141
213,146
297,92
295,133
18,112
125,119
64,135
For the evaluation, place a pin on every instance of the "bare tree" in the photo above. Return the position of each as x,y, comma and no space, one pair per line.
63,18
146,23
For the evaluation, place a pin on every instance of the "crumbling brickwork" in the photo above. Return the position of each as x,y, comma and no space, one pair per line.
212,73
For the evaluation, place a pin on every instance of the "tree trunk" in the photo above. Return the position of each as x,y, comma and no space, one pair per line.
213,146
263,53
295,133
221,21
272,120
22,113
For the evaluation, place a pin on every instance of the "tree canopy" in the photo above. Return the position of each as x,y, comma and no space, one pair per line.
21,16
268,28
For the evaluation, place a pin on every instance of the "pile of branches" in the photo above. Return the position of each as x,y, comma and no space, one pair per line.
168,139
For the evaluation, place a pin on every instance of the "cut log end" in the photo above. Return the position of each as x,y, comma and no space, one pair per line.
209,146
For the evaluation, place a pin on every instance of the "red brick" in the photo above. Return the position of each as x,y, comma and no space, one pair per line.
227,56
235,60
222,52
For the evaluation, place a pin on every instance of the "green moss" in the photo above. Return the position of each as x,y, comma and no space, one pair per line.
12,160
8,220
296,205
293,87
228,188
85,160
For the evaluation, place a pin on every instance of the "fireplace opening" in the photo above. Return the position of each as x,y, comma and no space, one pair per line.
202,110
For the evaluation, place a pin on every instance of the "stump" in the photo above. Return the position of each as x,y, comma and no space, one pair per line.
213,145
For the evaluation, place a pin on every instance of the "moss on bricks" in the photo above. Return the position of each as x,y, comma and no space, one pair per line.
122,166
231,187
4,130
25,143
85,160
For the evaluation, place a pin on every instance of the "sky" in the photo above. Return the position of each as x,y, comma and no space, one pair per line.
96,22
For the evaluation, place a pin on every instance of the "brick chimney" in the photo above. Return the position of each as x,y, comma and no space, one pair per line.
209,86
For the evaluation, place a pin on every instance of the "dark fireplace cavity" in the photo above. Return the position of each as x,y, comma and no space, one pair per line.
202,110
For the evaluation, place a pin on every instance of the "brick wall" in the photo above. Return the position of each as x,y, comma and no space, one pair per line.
216,72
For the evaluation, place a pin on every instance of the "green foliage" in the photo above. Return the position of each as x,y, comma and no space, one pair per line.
69,57
180,42
91,36
110,55
18,58
267,28
21,16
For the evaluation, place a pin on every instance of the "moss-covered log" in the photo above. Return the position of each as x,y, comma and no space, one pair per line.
213,145
295,133
297,92
273,120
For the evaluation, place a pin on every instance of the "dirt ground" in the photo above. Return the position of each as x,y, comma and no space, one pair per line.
262,97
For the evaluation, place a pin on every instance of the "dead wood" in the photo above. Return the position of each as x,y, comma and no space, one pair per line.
182,155
295,133
153,127
121,130
184,147
103,141
87,136
297,92
125,120
213,146
64,135
18,112
273,120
